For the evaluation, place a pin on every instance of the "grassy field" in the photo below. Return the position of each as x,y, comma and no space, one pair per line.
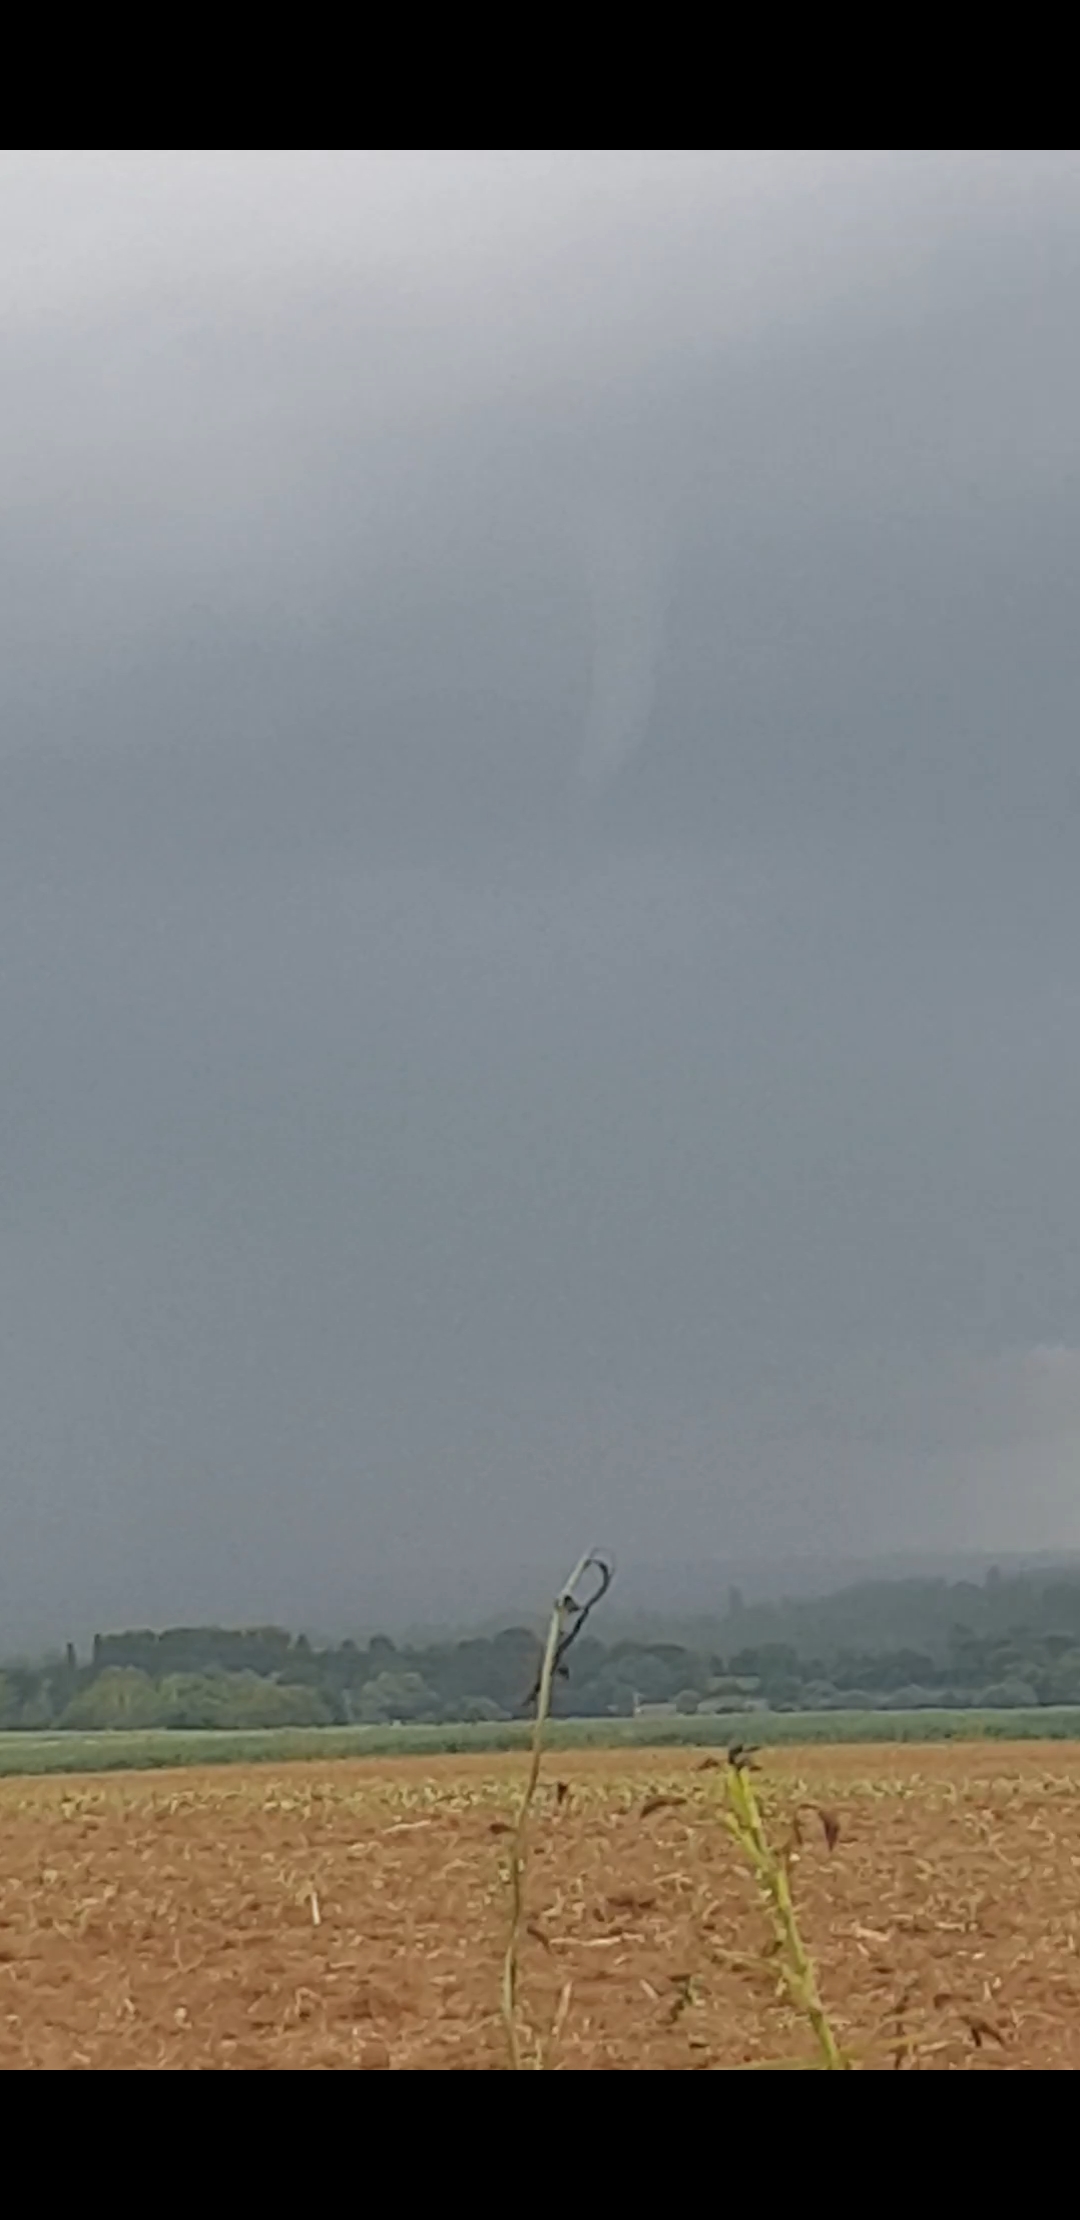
138,1751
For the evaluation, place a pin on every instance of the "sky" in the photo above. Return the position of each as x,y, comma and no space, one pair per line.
539,908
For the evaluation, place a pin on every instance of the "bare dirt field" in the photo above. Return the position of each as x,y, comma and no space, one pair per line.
353,1915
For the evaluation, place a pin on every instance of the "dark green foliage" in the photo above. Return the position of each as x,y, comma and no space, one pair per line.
893,1647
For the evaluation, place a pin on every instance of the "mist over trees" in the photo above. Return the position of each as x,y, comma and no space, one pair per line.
1009,1641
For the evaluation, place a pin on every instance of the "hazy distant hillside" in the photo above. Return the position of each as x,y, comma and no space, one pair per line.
1011,1640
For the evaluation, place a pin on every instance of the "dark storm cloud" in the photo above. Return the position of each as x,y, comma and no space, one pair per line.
538,864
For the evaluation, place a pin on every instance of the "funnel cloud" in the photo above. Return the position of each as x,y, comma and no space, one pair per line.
629,569
539,825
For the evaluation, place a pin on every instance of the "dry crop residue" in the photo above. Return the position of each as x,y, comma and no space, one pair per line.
353,1914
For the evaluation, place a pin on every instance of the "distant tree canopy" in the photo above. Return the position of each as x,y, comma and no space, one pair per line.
1014,1641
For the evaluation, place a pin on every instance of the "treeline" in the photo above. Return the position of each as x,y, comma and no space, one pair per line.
1013,1641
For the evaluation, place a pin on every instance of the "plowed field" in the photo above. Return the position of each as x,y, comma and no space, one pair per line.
353,1914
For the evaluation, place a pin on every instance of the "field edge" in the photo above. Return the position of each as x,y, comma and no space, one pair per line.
31,1754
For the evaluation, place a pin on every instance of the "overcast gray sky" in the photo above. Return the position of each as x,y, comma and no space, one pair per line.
539,892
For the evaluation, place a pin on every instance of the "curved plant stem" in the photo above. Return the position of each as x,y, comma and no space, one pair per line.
567,1612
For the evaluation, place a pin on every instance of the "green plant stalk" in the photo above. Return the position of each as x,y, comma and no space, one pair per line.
770,1870
519,1853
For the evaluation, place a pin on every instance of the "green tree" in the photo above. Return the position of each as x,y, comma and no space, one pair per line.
121,1696
392,1696
1009,1695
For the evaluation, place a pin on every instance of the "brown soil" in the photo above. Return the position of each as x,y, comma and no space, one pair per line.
353,1915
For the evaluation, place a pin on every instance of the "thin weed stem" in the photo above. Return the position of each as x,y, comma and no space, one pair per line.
568,1614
